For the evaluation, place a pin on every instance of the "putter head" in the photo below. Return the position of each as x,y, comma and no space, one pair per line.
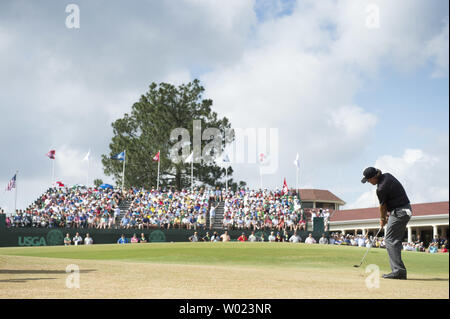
356,266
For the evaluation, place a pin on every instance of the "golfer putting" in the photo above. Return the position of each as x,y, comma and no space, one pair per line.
393,199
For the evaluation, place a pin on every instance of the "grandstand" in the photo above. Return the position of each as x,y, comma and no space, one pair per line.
81,207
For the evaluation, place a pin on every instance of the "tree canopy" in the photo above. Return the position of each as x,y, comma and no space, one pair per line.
147,130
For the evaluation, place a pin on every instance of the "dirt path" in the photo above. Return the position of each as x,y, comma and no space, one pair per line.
33,277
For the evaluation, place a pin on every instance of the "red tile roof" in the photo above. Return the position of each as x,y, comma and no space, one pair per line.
437,208
319,195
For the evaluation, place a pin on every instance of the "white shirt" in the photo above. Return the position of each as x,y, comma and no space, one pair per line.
310,240
76,240
272,238
88,241
252,238
294,239
361,242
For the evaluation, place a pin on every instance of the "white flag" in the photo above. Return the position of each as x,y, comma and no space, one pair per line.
88,155
297,161
190,158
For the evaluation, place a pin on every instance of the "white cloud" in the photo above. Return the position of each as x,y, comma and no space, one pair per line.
438,49
352,120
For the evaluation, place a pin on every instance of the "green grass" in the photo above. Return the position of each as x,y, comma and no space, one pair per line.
243,254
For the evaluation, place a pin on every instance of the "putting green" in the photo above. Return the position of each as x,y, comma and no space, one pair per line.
327,271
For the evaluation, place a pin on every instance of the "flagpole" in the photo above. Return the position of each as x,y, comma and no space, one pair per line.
226,178
192,175
159,161
123,172
260,179
89,167
53,172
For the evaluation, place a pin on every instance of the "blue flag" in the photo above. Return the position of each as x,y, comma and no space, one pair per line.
120,156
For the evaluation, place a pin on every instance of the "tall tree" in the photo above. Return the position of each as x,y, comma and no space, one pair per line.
147,130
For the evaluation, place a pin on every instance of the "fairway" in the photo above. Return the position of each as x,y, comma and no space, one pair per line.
216,270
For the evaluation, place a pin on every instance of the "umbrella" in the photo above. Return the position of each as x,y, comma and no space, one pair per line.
105,186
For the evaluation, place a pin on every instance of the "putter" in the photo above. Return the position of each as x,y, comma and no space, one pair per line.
368,250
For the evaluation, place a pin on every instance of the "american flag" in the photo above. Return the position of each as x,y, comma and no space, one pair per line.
11,184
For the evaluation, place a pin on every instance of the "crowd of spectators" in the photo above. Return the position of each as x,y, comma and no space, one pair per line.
76,207
78,240
264,210
81,207
365,241
168,209
438,244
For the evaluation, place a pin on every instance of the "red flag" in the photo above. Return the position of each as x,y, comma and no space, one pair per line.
285,188
51,154
156,158
60,184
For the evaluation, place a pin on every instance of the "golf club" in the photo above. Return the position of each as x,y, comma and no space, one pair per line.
368,249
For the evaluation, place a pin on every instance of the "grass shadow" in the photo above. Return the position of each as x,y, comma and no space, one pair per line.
39,271
427,279
22,280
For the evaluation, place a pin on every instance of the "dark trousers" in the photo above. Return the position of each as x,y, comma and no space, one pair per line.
395,232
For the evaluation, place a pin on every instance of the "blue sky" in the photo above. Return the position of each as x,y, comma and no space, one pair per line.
344,95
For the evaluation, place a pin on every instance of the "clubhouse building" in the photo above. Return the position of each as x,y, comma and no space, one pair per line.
428,220
318,198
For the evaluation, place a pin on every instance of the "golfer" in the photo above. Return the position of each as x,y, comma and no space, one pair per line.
393,199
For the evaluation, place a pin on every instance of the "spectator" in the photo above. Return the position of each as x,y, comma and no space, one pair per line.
142,239
252,238
77,239
194,238
88,240
278,237
436,239
122,240
295,238
332,240
285,236
201,222
67,240
116,216
310,239
323,240
215,237
272,237
8,222
134,239
225,237
444,249
242,238
361,241
262,237
125,222
207,237
212,215
433,248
